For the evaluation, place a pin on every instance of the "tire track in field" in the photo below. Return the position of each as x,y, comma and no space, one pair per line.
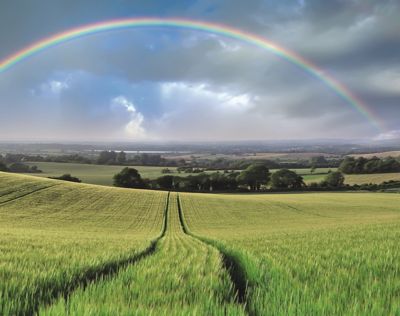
105,271
26,194
231,261
298,210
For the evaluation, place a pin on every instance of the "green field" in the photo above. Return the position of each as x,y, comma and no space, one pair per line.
93,174
315,254
77,249
183,277
56,235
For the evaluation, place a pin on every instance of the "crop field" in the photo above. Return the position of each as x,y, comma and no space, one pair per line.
76,249
308,254
183,277
55,236
372,178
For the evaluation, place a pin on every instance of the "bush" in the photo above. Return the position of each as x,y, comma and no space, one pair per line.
19,167
3,167
166,171
67,177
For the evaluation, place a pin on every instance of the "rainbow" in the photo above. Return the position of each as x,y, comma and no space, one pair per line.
338,88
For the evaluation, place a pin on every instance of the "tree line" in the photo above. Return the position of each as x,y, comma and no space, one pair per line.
351,165
255,177
17,167
110,157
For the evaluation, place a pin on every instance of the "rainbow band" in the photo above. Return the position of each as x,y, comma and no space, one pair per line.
339,89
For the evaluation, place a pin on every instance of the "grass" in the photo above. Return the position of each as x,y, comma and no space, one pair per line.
55,236
183,277
316,254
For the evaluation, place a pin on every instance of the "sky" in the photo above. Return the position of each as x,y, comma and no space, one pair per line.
177,84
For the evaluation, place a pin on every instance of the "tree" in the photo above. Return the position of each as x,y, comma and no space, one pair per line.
286,179
128,178
121,157
389,165
107,157
3,167
224,182
254,176
351,165
319,161
166,171
334,179
165,182
19,167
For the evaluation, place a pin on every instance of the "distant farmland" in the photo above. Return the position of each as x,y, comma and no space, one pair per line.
77,249
103,174
91,173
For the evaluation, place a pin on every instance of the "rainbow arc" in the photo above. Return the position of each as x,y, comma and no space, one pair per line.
337,87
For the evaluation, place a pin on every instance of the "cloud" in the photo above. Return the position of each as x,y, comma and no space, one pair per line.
51,88
223,100
391,135
202,112
134,128
386,81
172,82
56,86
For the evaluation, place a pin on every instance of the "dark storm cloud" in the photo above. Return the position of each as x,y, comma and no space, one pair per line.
356,41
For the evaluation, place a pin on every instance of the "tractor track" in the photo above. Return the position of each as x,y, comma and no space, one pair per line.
232,264
108,270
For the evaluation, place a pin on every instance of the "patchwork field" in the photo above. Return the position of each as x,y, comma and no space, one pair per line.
75,249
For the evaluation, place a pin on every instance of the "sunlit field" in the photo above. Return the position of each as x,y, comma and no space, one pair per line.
320,254
54,236
199,158
78,249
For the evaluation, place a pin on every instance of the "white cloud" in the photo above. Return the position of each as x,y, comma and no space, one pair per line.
134,128
221,99
394,134
57,86
387,81
51,88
